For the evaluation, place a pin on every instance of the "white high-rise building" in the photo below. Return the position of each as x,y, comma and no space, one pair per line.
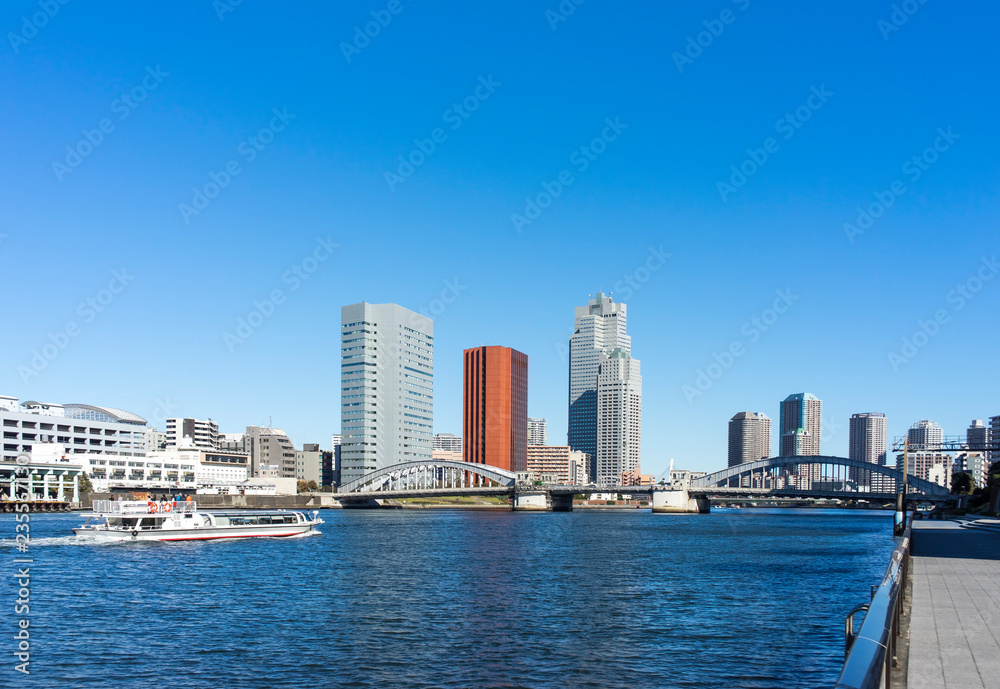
205,434
619,417
599,329
538,432
925,435
867,441
387,387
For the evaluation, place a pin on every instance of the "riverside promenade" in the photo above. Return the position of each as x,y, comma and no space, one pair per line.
955,616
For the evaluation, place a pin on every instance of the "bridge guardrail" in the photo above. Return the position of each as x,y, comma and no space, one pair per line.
871,653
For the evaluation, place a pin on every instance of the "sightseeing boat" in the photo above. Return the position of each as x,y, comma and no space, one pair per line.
118,520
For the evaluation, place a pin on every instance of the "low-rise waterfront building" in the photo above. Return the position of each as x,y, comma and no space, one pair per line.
184,468
204,434
271,452
309,464
975,463
447,455
83,428
557,462
448,441
930,465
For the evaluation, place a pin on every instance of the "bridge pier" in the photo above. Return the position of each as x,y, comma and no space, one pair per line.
349,502
532,502
561,502
679,501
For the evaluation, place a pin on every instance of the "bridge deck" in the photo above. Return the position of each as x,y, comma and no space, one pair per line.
955,618
423,493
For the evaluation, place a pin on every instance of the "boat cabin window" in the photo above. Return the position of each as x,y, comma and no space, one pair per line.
123,522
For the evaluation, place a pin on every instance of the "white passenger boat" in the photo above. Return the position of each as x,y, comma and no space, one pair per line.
119,520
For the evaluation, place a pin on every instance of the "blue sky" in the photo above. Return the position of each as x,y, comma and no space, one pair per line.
685,114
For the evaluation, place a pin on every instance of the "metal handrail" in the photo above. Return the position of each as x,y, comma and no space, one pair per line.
871,653
138,507
849,635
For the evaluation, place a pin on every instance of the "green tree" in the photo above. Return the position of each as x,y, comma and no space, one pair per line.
302,486
84,483
993,478
312,485
962,483
993,483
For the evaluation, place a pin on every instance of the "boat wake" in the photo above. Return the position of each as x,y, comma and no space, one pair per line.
48,541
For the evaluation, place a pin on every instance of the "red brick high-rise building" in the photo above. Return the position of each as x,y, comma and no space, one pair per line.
495,407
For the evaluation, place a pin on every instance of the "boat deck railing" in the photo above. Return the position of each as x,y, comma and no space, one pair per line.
136,507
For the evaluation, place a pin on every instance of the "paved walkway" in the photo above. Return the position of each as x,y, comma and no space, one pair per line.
955,619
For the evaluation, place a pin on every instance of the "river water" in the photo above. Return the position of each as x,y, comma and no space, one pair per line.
450,598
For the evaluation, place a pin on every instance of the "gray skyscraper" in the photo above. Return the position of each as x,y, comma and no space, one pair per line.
867,440
386,387
801,425
599,329
925,435
977,437
749,437
619,418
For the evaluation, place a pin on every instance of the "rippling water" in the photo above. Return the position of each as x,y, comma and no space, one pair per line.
741,598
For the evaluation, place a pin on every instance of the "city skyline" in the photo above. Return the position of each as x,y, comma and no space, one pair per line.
165,406
787,270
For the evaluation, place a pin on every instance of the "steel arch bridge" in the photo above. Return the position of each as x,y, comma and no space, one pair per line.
775,469
434,474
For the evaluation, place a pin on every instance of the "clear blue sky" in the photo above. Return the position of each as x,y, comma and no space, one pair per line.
543,93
